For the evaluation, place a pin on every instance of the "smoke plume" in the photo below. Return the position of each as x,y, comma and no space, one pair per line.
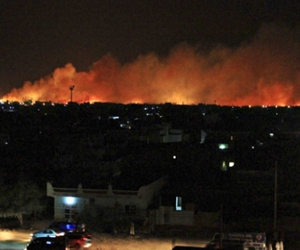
261,71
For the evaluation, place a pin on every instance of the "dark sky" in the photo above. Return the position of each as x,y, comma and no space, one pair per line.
39,36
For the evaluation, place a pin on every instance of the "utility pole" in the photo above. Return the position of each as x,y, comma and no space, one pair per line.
222,221
275,196
71,90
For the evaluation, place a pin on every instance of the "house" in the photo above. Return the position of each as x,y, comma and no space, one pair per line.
164,133
68,202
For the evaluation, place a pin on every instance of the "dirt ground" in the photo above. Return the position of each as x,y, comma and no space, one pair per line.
17,239
128,242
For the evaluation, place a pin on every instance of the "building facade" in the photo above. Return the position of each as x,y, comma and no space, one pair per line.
69,202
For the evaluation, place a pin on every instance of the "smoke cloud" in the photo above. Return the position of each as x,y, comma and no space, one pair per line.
261,71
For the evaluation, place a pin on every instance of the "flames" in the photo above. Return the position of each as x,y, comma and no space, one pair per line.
263,71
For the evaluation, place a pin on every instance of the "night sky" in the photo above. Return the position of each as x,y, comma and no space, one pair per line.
39,36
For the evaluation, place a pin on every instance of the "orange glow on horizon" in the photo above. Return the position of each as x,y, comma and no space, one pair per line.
260,73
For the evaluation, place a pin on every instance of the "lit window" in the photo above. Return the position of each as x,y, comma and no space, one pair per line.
223,146
114,117
224,166
178,203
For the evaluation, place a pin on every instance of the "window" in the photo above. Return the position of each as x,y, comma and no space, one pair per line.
70,212
178,203
223,146
130,209
224,166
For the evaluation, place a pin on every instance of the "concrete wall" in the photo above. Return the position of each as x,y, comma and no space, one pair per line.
168,216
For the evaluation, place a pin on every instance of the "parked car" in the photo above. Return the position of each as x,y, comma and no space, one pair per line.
47,243
66,226
239,240
46,233
63,226
78,240
227,244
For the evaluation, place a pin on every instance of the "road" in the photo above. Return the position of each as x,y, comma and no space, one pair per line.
17,240
12,240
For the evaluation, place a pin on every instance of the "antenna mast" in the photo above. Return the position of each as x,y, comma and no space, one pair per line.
71,90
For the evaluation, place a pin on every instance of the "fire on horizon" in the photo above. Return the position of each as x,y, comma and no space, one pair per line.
263,71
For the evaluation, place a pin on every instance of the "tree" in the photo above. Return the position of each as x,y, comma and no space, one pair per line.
19,199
